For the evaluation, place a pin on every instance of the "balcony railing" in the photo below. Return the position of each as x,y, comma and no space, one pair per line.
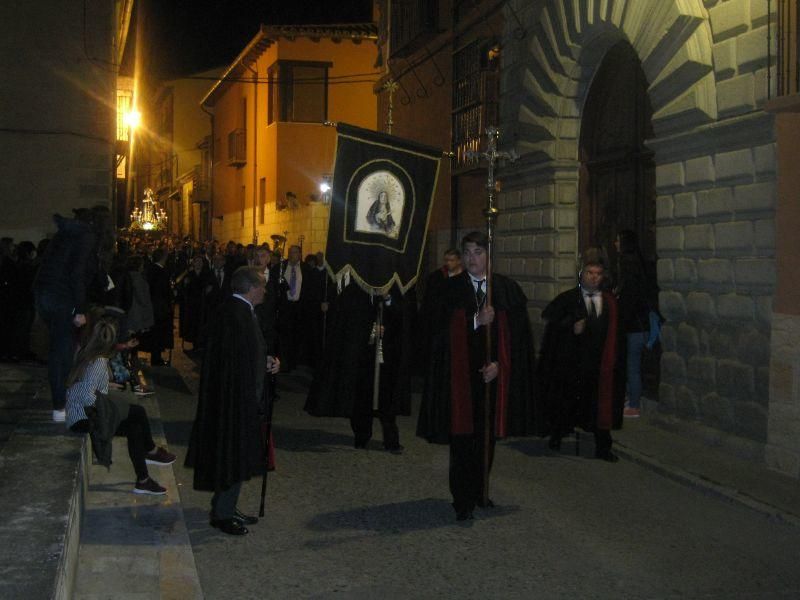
475,108
788,47
237,147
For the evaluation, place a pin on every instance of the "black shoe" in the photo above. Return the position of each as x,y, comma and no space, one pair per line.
554,443
607,456
487,504
360,445
464,515
243,518
229,526
396,449
158,363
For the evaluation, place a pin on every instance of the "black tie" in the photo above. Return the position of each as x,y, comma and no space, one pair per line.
593,308
480,295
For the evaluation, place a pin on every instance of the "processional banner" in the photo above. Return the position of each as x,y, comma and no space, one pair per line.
381,200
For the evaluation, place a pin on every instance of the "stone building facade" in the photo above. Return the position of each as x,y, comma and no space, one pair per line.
713,150
59,63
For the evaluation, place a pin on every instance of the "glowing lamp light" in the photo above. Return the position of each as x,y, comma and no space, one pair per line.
133,118
147,226
324,187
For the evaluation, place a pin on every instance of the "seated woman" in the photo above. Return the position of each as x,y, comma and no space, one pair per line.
89,377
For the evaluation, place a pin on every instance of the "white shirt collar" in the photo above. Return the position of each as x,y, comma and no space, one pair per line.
243,299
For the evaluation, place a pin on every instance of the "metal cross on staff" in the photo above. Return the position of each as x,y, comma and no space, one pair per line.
492,156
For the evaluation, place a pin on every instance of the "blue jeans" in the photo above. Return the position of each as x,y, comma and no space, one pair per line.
57,317
636,342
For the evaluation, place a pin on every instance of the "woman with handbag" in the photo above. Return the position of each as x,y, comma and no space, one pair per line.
87,383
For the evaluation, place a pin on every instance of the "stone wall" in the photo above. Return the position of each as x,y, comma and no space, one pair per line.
715,182
783,449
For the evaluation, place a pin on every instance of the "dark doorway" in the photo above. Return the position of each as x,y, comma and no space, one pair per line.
617,183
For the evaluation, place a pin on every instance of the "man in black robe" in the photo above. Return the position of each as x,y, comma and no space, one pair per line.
455,411
160,337
293,301
343,386
431,340
226,447
578,359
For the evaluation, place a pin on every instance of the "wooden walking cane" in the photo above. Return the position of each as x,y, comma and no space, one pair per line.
490,212
266,427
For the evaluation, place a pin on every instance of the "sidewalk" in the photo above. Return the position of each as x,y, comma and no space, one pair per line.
135,546
700,459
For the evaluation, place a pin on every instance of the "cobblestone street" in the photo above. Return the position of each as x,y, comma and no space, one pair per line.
347,523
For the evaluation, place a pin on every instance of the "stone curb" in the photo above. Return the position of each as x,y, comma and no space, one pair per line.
704,484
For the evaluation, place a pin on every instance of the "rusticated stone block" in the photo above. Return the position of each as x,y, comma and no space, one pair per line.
666,397
688,340
686,403
715,270
567,193
669,175
735,379
544,242
737,95
699,170
526,243
734,306
751,50
545,195
717,412
672,305
751,420
765,161
703,370
722,343
729,19
765,234
685,270
673,367
753,347
527,197
669,239
705,344
666,271
755,196
714,202
700,305
735,166
725,59
685,205
669,337
762,386
699,237
764,309
734,236
755,271
664,208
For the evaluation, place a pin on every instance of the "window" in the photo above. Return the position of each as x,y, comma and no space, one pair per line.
298,92
475,97
412,23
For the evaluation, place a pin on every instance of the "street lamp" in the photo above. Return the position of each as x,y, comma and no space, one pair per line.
325,188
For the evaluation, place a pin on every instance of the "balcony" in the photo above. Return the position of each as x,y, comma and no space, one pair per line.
201,188
475,108
237,148
413,22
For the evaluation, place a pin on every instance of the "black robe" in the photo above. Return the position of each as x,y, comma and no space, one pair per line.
226,446
192,307
344,382
559,368
436,419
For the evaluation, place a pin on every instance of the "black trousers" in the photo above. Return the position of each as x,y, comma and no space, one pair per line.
223,502
361,424
291,335
136,427
579,407
466,469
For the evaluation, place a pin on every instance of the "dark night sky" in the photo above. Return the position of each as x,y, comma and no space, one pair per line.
192,35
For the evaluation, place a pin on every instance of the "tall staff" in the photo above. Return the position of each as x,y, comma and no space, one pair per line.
492,156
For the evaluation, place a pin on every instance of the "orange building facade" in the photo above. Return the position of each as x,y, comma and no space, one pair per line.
271,148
